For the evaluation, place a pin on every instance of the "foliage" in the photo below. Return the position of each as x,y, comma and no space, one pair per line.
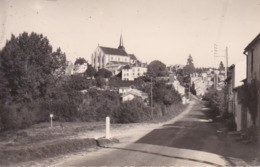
20,116
103,73
27,62
221,66
216,99
162,93
100,82
156,69
249,98
80,61
192,89
90,72
131,112
189,68
77,82
201,70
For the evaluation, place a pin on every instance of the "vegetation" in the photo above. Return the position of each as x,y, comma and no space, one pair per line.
221,66
103,73
90,72
80,61
216,99
156,69
34,85
189,68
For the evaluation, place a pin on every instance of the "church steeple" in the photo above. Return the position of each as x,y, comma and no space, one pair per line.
121,45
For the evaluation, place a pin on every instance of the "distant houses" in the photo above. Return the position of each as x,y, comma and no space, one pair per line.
128,94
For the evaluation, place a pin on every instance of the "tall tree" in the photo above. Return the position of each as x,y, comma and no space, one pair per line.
27,62
189,68
90,72
221,66
80,61
156,69
104,73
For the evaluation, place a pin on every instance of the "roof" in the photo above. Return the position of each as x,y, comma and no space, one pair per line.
126,67
251,44
114,51
132,56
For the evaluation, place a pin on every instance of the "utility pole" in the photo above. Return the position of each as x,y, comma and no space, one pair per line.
225,55
152,97
226,62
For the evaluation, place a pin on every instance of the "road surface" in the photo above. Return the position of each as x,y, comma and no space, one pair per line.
190,140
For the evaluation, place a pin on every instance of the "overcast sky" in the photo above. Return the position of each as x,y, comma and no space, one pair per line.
165,30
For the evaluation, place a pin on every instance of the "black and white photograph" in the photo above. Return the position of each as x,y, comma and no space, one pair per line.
131,83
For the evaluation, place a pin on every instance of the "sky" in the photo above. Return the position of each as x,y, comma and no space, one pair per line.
164,30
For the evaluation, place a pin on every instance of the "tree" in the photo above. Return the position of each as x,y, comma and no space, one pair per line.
80,61
156,69
28,62
90,72
192,89
104,73
221,66
189,68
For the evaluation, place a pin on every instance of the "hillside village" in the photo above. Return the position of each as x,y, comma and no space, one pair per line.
127,67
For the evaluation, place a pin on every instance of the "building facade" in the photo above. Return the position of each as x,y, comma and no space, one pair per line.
252,52
130,72
111,58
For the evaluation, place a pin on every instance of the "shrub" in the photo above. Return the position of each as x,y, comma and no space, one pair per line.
20,116
131,112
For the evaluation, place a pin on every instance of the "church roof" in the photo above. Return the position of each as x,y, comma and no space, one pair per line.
132,56
113,51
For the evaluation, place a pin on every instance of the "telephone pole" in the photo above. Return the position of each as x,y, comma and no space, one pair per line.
216,54
152,97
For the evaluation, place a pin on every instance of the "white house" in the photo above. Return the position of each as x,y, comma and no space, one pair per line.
134,71
130,94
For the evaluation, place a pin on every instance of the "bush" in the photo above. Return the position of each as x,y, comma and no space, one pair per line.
216,101
131,112
20,116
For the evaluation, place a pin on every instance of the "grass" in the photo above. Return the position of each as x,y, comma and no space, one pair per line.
40,141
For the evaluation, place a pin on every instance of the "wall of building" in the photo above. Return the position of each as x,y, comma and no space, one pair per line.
133,72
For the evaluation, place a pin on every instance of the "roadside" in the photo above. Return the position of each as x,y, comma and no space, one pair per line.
40,145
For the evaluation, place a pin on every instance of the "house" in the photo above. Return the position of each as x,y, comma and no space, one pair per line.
252,52
111,58
130,72
130,94
236,74
123,90
176,84
78,69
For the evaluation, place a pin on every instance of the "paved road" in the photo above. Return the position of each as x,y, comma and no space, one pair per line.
193,140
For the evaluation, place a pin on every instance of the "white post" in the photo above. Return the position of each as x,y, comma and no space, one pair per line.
51,115
107,127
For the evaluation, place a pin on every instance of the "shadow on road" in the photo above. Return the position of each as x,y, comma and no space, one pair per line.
168,156
196,131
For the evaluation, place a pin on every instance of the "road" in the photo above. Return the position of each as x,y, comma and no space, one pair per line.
190,140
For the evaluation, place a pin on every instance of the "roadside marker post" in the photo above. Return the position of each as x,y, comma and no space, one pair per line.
107,127
51,116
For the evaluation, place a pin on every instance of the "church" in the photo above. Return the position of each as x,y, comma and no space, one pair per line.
112,59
